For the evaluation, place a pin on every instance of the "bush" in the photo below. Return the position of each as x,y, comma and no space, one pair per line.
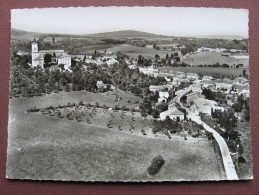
241,159
156,165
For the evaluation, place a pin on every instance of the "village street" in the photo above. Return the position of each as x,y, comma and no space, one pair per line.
227,160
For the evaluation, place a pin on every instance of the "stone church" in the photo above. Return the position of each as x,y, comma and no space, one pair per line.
58,56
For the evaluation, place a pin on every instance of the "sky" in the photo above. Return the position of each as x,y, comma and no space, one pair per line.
170,21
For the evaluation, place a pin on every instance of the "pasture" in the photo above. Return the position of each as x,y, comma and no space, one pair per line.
210,58
51,148
134,51
216,72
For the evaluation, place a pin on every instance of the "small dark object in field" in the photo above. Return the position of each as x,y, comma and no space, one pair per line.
241,159
156,165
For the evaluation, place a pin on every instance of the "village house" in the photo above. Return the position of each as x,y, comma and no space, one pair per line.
242,89
192,76
223,84
172,112
132,67
193,96
196,87
204,106
206,78
208,84
163,96
57,56
155,88
101,85
111,61
241,80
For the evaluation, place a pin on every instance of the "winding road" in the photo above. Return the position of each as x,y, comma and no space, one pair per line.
227,160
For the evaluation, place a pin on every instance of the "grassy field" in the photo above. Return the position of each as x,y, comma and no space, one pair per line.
134,51
208,58
245,170
228,72
46,147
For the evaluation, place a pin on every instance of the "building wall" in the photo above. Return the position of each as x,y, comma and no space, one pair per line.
39,55
174,117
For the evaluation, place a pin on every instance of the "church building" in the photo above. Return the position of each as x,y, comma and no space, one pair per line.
58,56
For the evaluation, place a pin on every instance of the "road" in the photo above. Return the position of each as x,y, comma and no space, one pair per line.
227,160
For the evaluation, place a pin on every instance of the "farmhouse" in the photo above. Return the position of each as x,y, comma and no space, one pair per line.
206,78
173,114
193,96
155,88
57,56
203,105
223,84
208,83
242,89
240,80
163,96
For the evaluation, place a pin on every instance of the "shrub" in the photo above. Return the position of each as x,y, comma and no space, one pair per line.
156,165
241,159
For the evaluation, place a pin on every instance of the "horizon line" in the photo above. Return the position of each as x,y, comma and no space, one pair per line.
85,34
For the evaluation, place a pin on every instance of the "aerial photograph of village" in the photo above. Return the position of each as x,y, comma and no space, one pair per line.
102,94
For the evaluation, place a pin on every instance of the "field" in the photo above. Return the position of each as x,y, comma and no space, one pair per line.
245,170
209,58
217,72
59,149
134,51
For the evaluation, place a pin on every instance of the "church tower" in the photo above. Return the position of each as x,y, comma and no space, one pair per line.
34,53
34,47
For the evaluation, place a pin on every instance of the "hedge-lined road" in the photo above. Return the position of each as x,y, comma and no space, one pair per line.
227,160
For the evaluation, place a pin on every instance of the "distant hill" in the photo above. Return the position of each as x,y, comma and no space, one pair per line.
115,34
15,32
127,34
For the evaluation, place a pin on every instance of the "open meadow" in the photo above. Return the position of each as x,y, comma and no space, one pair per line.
61,149
134,51
210,58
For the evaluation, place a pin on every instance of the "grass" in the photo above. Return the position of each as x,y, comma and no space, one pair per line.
209,58
50,148
218,72
134,51
245,170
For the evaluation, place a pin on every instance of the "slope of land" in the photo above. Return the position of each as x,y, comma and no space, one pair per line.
55,148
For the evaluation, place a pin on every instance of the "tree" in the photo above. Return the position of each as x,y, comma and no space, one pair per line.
47,59
157,56
244,74
162,107
155,113
67,88
140,60
167,56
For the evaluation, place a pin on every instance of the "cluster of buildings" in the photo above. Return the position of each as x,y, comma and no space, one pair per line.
108,59
57,56
195,101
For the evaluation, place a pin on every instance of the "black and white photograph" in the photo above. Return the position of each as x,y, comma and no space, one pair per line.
129,94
